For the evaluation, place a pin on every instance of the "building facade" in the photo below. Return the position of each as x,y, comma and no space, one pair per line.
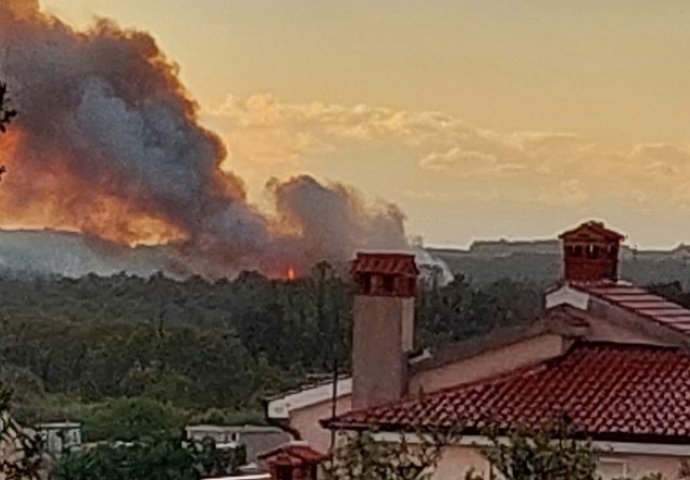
256,439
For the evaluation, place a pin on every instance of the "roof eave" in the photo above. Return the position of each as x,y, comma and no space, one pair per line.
623,437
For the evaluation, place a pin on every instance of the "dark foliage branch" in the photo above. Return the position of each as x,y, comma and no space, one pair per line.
21,457
6,113
150,459
546,453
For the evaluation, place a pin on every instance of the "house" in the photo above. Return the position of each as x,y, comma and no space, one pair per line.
610,355
256,439
58,437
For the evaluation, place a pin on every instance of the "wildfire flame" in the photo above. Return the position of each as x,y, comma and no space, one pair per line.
291,275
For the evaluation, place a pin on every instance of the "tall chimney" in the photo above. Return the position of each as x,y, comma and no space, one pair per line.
590,254
383,327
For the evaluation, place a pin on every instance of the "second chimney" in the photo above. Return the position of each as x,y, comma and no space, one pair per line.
383,329
590,254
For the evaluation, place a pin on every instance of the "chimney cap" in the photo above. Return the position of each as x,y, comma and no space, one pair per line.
385,263
592,228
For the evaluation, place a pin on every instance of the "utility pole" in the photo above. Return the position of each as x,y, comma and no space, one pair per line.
336,350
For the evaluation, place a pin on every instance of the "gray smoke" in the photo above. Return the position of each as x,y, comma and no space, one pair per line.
108,143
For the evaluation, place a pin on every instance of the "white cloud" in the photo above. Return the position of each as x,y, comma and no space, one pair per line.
468,163
557,169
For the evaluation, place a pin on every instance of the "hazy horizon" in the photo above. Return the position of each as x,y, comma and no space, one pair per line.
479,119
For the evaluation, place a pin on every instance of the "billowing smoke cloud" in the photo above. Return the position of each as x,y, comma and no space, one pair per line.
332,219
108,143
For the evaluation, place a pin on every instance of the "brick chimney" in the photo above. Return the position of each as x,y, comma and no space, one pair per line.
383,327
590,254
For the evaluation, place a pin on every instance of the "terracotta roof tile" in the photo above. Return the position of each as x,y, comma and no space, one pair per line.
609,391
385,263
640,302
293,454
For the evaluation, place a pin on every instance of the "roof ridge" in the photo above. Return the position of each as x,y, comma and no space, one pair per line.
643,309
612,345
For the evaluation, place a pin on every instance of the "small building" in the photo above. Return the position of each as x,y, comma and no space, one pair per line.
295,460
256,439
58,437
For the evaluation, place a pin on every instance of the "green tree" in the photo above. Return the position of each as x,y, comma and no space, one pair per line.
133,419
362,457
158,382
551,453
215,462
166,459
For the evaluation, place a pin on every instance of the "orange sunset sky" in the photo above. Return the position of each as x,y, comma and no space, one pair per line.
481,119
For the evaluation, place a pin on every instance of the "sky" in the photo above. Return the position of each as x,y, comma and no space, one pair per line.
480,119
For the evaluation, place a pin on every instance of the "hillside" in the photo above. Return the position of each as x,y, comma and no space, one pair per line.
540,262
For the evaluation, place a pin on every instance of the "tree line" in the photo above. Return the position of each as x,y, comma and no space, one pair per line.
71,348
96,349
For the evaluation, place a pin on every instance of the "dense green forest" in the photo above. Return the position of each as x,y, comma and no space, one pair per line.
99,349
132,356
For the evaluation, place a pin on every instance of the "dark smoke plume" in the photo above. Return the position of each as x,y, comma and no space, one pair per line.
108,144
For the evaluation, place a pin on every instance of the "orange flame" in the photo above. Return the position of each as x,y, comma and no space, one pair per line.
291,275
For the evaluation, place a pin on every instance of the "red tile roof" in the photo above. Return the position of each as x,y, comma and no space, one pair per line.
640,302
385,263
293,454
615,392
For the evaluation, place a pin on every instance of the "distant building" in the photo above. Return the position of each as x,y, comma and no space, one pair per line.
256,439
510,247
58,437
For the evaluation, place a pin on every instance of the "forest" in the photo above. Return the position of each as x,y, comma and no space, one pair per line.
165,352
131,356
